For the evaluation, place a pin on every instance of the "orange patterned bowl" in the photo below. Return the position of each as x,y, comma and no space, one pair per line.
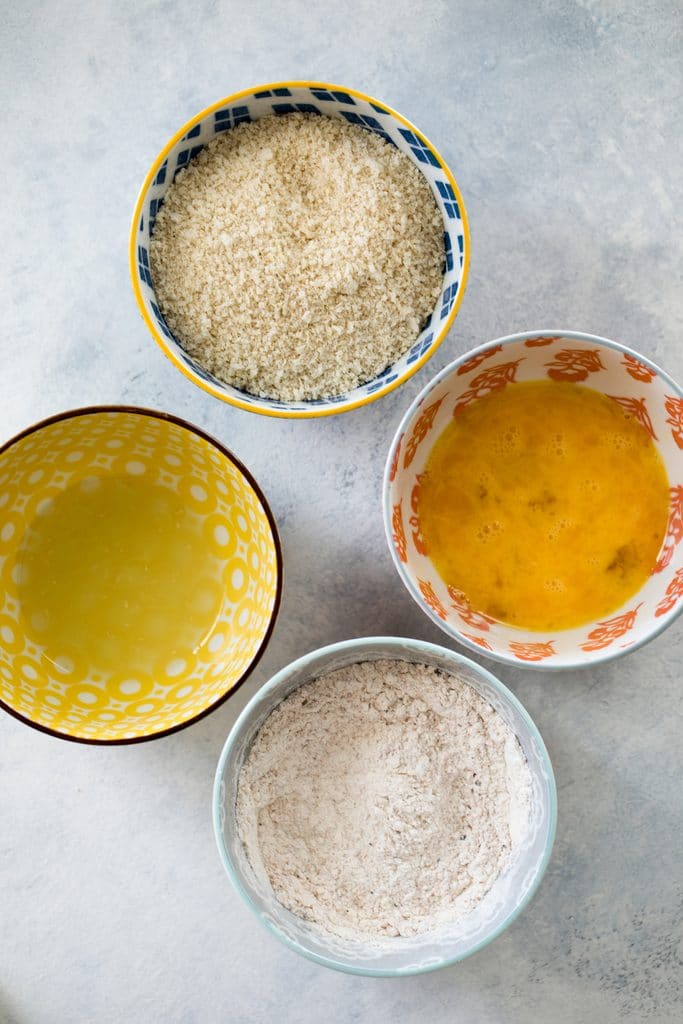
630,379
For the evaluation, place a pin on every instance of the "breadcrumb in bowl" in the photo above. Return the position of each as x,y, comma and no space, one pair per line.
266,331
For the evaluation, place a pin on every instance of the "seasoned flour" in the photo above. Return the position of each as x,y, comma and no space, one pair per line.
383,799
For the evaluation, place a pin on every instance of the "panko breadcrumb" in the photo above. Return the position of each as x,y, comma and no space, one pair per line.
297,256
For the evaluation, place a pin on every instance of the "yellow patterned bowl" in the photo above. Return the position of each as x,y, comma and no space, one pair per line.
231,574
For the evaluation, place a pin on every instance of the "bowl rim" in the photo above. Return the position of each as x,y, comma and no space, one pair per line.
502,658
217,392
179,421
360,644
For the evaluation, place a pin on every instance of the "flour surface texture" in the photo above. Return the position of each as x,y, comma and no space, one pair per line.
383,799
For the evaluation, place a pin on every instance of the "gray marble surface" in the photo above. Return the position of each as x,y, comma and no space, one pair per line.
561,121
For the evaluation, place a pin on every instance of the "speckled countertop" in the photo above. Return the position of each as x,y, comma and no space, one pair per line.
562,123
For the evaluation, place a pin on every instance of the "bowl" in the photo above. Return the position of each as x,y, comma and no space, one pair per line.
606,366
333,101
65,690
401,956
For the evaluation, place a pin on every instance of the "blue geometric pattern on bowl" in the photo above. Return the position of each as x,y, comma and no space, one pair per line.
333,102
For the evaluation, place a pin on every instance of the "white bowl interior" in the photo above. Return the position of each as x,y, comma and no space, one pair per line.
401,955
594,362
331,102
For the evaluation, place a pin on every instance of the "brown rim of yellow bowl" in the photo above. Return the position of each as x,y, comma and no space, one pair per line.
314,411
170,418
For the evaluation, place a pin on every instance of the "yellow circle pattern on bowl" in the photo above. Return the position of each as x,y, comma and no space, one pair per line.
72,698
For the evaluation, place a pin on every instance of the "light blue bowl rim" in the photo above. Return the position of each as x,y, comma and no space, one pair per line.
360,644
508,659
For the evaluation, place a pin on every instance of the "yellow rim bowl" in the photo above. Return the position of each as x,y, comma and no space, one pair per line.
333,101
59,692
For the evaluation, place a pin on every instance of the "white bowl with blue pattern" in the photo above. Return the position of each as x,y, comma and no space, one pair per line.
333,101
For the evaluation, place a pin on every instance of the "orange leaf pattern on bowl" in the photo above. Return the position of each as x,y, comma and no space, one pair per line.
637,409
394,462
674,407
574,364
538,342
420,431
466,612
493,378
605,633
399,534
477,360
637,370
418,539
673,592
479,640
674,528
427,591
533,651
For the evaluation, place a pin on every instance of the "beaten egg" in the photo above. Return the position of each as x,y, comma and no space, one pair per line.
545,503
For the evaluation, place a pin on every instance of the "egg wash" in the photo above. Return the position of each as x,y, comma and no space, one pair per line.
545,504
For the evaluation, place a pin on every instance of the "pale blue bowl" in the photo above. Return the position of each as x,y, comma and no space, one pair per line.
401,956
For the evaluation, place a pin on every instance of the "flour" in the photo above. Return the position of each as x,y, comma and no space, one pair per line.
383,799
